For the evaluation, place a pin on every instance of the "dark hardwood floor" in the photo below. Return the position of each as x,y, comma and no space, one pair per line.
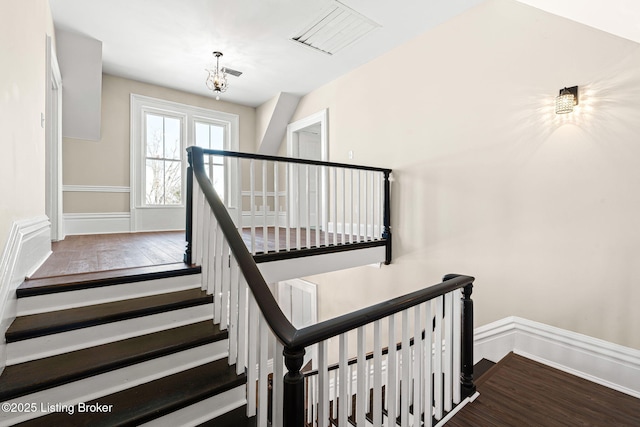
102,252
520,392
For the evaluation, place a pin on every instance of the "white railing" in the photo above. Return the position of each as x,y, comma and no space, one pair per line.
284,204
424,366
428,334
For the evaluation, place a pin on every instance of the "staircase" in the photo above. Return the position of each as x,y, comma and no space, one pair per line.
121,348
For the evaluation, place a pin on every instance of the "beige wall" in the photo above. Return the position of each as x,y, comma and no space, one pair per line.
542,209
23,28
106,162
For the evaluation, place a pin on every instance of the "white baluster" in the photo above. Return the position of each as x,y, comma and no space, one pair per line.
239,190
417,364
196,250
243,336
233,311
362,392
206,232
298,205
428,365
309,398
252,200
335,204
263,376
278,384
209,259
377,374
226,283
456,348
344,206
323,385
220,240
437,368
366,205
276,205
318,201
265,231
352,201
406,370
252,356
343,382
307,198
392,373
447,356
287,202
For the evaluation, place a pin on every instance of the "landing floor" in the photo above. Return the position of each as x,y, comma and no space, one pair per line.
520,392
103,252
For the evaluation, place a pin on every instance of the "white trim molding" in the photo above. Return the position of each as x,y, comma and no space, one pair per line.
602,362
97,223
28,246
95,189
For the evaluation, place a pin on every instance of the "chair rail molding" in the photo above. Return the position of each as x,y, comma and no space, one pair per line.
96,189
606,363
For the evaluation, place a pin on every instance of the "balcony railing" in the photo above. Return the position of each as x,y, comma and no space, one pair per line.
425,378
288,207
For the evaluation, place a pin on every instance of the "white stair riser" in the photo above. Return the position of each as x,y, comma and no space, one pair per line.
64,342
94,387
204,410
105,294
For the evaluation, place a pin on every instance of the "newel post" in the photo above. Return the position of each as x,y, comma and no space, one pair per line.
466,376
386,233
189,210
293,388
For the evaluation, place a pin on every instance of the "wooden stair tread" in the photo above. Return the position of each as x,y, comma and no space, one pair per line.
151,400
29,377
73,282
36,325
236,418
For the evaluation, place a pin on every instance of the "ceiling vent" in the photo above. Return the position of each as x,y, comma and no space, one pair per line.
335,28
232,72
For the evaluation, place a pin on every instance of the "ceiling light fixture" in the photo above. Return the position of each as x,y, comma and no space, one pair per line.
217,79
566,100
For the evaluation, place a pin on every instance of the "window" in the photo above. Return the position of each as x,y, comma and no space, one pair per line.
160,133
211,136
163,160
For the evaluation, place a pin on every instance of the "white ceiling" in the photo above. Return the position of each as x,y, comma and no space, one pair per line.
169,42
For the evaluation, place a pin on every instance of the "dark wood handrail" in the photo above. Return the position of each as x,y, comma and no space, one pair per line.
291,160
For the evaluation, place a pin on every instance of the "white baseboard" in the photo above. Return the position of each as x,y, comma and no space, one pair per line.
28,246
97,223
596,360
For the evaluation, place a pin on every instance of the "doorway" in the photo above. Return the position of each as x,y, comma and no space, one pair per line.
308,139
53,145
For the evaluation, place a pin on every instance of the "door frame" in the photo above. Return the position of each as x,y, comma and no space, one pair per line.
53,143
321,118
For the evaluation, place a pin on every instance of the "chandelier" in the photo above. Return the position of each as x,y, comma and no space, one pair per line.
217,79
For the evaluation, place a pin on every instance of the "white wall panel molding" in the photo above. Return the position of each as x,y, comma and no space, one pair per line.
97,223
596,360
28,246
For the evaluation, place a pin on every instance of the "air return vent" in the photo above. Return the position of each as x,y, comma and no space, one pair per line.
335,28
232,72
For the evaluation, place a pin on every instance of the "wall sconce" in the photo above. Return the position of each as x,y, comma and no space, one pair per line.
567,98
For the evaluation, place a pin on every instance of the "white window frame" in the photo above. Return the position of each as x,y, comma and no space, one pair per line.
143,153
189,114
